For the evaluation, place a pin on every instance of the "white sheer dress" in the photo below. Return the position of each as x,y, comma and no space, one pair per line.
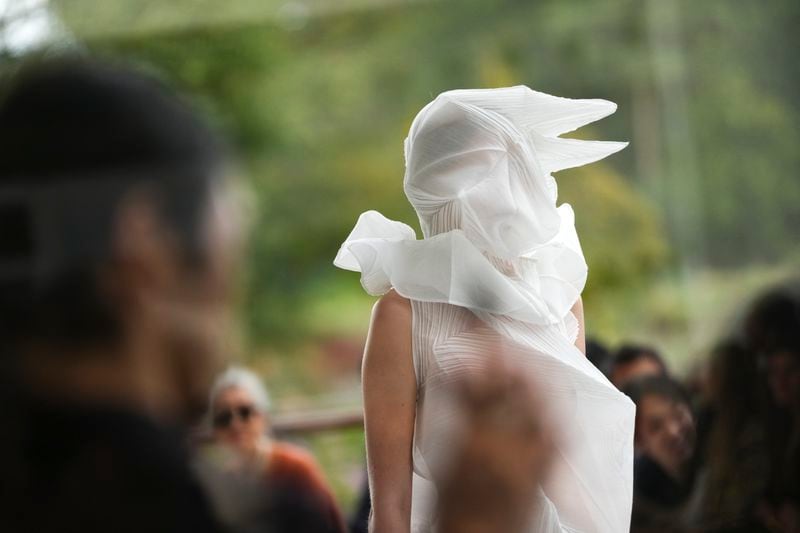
499,268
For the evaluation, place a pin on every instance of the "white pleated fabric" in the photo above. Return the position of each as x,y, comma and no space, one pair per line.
499,268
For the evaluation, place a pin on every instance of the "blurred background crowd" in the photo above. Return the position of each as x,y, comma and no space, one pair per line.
691,235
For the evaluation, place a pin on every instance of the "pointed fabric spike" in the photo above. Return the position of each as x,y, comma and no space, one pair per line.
556,154
528,109
552,115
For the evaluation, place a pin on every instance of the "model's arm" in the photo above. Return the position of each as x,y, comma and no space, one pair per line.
390,393
580,340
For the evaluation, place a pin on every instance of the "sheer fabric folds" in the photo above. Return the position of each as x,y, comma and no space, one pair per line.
498,268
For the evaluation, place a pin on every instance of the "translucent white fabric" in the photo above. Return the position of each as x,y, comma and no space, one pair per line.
499,268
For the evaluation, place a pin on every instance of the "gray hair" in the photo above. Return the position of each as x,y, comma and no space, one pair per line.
242,378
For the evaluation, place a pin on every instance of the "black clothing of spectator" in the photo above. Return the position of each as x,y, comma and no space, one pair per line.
88,468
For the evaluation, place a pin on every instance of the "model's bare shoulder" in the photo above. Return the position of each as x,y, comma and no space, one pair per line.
393,308
389,337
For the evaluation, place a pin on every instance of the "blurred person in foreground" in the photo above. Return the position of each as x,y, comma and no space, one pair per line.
118,246
633,361
290,491
503,456
665,448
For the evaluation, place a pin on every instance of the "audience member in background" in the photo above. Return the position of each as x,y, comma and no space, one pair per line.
598,354
296,496
772,334
665,445
735,462
115,261
632,361
750,480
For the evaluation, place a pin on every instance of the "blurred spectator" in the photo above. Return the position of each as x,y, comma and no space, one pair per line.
735,462
772,334
598,354
633,361
296,496
752,474
665,445
114,285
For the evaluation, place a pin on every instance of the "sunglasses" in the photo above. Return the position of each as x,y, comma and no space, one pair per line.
224,419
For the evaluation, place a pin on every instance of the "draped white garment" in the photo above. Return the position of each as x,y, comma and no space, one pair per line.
499,268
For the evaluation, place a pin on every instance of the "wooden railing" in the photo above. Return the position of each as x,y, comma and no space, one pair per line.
299,423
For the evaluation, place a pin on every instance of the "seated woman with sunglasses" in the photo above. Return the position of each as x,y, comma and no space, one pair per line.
297,497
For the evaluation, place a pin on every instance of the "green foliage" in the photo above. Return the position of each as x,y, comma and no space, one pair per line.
746,128
317,105
620,233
